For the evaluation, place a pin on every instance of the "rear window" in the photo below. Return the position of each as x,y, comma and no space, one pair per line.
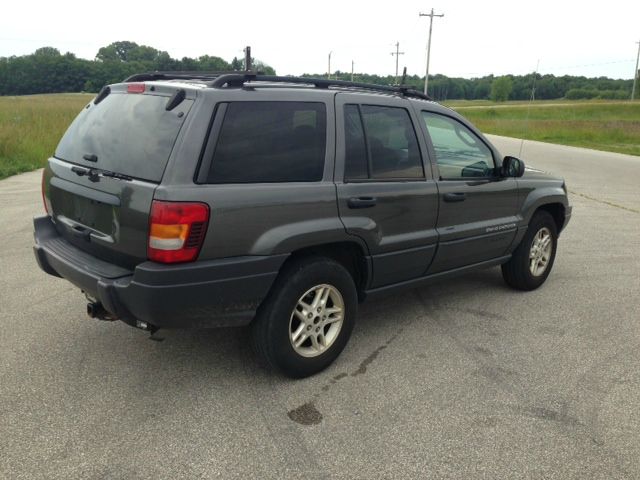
129,134
266,142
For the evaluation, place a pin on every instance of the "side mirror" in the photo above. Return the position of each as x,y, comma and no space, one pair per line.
512,167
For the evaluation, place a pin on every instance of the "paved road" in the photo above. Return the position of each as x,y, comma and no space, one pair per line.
465,379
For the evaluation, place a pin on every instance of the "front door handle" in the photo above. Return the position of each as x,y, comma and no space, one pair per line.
455,197
362,202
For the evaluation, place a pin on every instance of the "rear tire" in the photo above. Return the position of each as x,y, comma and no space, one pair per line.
533,259
306,321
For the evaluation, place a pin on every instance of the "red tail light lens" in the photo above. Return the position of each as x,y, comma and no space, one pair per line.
176,231
43,187
135,88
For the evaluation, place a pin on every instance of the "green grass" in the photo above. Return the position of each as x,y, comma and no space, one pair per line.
31,127
612,126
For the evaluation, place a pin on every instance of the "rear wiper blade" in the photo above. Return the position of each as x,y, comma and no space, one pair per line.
119,176
95,173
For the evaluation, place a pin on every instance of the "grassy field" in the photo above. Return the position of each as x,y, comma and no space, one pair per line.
601,125
31,126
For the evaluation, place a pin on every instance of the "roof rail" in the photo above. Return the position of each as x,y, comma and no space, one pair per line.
240,78
180,75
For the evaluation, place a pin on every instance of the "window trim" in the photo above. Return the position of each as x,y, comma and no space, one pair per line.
370,178
475,135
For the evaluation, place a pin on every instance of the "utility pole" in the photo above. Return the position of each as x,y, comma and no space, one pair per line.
397,53
247,58
352,70
430,15
329,66
635,75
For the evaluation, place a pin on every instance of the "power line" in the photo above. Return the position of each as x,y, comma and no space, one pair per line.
635,74
430,15
397,54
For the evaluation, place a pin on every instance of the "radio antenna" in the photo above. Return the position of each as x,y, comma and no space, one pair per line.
531,99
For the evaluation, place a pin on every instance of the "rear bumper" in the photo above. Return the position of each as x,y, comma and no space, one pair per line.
212,293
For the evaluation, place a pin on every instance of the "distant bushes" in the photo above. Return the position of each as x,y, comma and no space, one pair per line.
587,94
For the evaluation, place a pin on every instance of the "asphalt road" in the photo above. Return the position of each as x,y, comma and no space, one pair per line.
464,379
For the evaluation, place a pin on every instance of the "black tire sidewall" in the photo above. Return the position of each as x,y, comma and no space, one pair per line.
539,221
291,286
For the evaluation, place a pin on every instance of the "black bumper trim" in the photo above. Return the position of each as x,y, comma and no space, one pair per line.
210,293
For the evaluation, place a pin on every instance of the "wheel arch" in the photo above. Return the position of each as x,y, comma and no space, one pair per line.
350,254
550,199
557,211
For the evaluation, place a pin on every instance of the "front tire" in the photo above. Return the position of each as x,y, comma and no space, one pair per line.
308,317
533,259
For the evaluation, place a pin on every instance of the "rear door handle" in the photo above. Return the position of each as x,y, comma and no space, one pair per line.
455,197
362,202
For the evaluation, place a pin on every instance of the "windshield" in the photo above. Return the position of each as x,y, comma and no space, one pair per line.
127,133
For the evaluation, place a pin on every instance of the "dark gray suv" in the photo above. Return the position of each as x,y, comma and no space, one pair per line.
193,200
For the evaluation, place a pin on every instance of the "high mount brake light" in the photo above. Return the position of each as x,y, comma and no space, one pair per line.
136,88
176,231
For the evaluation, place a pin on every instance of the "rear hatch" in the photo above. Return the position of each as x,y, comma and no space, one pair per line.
100,183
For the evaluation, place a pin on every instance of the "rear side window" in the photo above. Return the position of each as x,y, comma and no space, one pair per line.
380,143
129,134
266,142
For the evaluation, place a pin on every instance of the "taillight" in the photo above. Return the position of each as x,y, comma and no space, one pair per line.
135,88
45,200
176,231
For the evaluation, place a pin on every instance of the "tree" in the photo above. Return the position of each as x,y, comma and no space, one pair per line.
501,89
116,51
212,64
259,66
237,64
47,52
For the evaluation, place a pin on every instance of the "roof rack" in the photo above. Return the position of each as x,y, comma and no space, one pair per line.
239,79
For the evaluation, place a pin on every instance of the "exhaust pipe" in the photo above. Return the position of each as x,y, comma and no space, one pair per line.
96,310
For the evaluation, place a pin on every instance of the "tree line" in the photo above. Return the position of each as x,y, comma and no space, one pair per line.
49,71
507,87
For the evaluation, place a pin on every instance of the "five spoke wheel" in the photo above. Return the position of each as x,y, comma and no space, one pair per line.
540,253
316,320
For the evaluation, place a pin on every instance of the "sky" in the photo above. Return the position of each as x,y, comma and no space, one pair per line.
473,39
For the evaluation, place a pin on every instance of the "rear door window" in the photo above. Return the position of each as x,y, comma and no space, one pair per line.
381,144
128,134
266,142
